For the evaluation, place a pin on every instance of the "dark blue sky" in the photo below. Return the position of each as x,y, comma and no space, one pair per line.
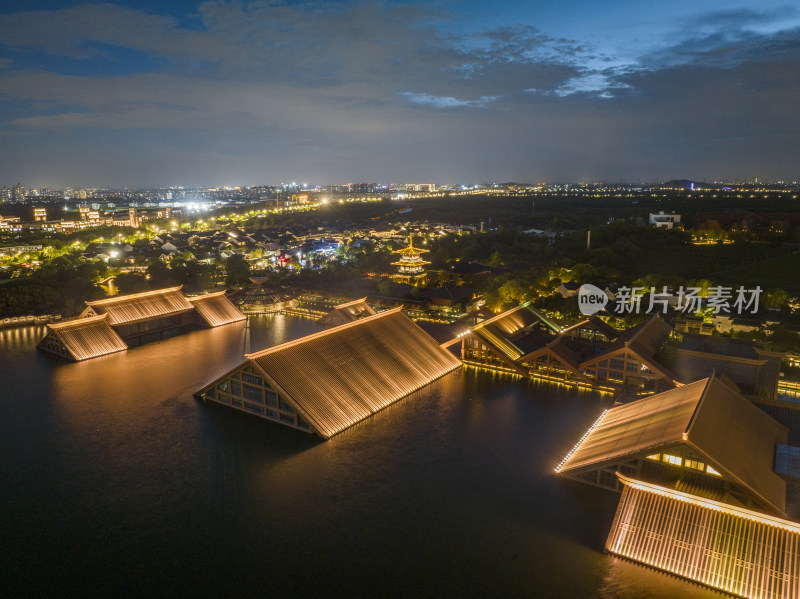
144,93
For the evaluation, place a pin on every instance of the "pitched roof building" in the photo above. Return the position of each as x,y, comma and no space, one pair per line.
135,307
590,353
704,438
347,312
116,323
329,381
754,369
82,338
216,309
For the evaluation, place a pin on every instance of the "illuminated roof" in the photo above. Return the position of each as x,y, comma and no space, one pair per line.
84,338
216,309
725,547
348,312
518,331
338,377
710,417
595,323
137,307
410,250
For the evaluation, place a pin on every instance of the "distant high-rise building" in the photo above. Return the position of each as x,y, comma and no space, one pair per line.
421,187
18,193
361,187
5,194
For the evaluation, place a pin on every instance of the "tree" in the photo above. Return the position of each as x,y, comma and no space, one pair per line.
159,275
237,271
129,282
775,298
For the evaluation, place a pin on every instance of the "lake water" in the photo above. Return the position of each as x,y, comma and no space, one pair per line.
114,480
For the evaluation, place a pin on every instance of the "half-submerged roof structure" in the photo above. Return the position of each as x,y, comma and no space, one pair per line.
329,381
137,307
348,312
82,338
703,437
216,309
120,322
721,546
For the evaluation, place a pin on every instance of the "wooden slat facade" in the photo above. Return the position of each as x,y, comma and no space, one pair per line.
348,312
338,377
138,307
82,339
724,547
215,309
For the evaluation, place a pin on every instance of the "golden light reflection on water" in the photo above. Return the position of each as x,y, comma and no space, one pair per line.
451,478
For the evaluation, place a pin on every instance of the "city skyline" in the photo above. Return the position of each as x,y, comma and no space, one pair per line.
134,94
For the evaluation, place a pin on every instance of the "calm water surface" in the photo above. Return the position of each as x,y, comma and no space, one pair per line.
114,480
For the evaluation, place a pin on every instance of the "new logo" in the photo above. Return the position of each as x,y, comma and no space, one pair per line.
591,299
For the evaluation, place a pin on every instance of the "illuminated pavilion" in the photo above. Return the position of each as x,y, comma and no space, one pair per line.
329,381
261,298
117,323
411,266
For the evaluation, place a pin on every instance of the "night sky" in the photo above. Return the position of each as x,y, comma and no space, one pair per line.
146,93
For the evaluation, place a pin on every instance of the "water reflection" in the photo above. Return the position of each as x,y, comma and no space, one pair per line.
115,477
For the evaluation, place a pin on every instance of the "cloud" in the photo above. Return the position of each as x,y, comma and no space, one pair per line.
370,89
446,101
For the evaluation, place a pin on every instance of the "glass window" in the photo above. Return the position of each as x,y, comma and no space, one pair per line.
287,418
272,414
285,406
254,408
655,457
675,460
272,399
695,465
710,470
251,378
253,393
236,387
210,393
224,386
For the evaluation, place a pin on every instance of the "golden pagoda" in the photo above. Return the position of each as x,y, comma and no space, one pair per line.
410,265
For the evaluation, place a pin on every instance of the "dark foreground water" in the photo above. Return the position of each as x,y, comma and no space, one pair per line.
115,481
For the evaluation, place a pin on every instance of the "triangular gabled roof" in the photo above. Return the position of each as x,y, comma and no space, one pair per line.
598,324
82,338
137,307
216,309
644,339
512,332
710,417
338,377
348,312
